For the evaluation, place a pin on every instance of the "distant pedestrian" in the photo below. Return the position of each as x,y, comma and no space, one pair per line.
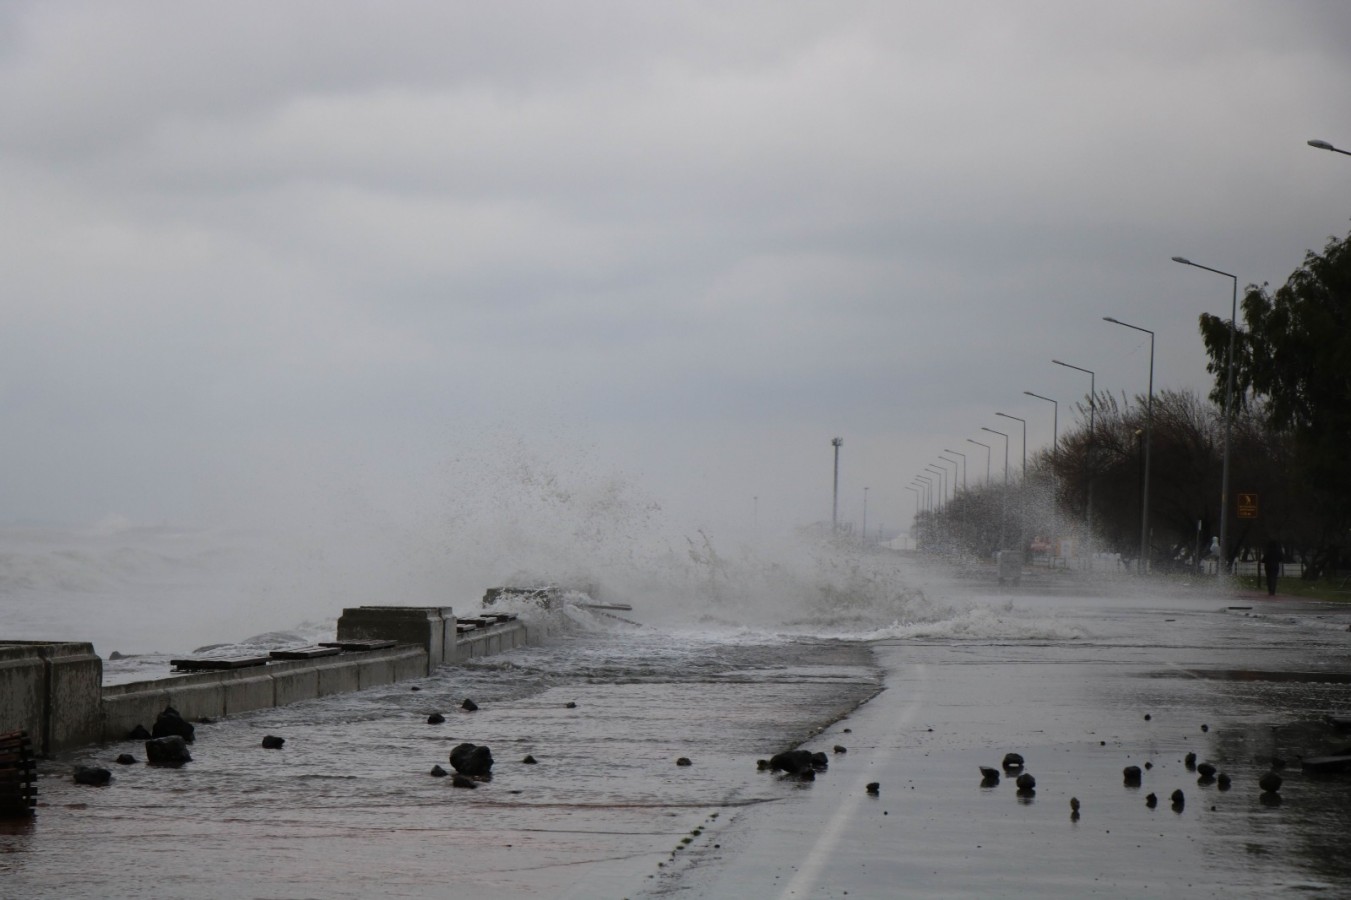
1272,558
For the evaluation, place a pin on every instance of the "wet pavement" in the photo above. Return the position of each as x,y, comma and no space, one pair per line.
1152,680
1080,686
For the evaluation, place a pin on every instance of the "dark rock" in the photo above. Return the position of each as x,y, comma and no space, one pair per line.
171,750
988,777
1148,717
435,719
1179,799
1132,776
684,761
415,688
1206,770
762,764
472,759
1151,801
272,742
125,759
438,772
463,781
529,760
138,734
115,655
1190,762
874,788
849,731
1074,805
1148,765
468,705
1270,782
1222,781
839,749
92,775
571,704
820,761
794,762
1012,761
169,723
1205,728
1026,782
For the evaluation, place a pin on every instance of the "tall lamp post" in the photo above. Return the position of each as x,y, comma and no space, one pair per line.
911,487
987,457
963,456
1222,569
1324,145
1024,421
944,462
942,483
835,497
865,515
1004,500
1149,424
1055,461
1092,433
928,490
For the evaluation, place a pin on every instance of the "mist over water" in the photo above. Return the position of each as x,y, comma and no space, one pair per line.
514,513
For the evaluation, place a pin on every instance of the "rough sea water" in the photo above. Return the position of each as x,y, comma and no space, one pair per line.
902,675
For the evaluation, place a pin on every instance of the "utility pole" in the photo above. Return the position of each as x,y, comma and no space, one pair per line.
835,503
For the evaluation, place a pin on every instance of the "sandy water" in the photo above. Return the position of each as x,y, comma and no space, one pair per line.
347,807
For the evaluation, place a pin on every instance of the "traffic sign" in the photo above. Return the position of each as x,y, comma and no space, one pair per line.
1247,506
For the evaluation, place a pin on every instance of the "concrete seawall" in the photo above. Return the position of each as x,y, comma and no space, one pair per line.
54,690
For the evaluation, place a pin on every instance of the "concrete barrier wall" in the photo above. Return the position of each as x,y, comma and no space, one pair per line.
490,640
54,690
23,691
216,694
426,626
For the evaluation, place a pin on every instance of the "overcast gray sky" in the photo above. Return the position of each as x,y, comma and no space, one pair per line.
258,252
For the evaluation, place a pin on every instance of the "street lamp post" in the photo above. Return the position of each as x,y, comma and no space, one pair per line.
987,457
1055,461
944,461
928,490
911,487
1324,145
1222,569
942,483
865,515
1092,410
835,497
963,456
1149,424
1004,499
1024,421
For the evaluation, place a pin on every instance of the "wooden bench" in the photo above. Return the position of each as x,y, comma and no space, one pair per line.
216,663
314,651
360,646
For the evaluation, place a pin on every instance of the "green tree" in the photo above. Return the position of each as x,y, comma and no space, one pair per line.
1294,356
